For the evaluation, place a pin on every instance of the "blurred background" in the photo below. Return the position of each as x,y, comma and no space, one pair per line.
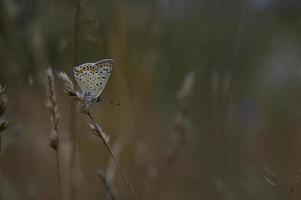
234,133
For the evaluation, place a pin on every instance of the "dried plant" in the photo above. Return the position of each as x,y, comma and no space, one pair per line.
108,176
180,132
52,106
3,122
111,168
179,135
97,130
111,192
73,117
53,109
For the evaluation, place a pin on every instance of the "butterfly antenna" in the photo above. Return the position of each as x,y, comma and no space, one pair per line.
109,101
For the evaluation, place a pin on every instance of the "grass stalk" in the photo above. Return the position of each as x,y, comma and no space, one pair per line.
97,130
55,118
3,123
107,177
111,193
73,118
104,139
180,134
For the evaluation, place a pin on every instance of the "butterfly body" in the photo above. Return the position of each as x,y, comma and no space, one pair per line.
92,78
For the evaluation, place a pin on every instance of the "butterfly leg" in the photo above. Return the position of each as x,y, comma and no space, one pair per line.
99,99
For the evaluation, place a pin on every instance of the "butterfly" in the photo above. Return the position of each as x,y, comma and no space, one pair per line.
92,78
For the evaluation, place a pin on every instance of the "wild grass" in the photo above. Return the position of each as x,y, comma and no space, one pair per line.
73,116
52,106
107,176
178,137
111,191
96,128
3,122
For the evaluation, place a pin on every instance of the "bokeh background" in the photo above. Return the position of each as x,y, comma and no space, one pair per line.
238,139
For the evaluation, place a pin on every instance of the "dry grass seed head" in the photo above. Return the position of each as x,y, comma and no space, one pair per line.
3,106
52,106
70,90
68,84
3,100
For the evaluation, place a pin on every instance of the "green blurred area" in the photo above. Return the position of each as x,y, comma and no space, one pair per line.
244,108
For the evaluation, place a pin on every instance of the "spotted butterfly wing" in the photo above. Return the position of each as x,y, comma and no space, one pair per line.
104,69
93,77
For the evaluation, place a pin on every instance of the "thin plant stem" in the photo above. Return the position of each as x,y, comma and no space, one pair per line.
235,53
76,29
107,177
72,171
73,118
111,193
84,108
111,168
58,174
0,144
3,122
180,134
124,176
